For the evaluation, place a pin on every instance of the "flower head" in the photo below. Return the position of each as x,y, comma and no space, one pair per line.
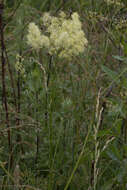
65,37
114,2
35,38
46,19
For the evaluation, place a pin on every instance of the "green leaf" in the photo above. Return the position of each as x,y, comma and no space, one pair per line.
109,72
120,58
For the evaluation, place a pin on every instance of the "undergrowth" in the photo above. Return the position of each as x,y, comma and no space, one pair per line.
63,123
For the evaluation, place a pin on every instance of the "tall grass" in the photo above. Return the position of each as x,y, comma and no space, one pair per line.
72,118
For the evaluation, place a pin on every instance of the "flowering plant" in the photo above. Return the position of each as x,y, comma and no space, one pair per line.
63,37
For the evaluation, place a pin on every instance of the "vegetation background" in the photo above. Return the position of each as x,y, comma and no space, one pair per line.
73,134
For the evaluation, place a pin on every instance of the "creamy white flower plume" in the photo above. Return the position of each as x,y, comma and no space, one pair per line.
64,38
35,38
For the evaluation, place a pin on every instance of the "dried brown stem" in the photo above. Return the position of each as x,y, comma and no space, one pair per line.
4,94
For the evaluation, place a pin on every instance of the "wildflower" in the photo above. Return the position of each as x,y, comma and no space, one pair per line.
35,38
46,19
19,65
62,15
114,2
65,37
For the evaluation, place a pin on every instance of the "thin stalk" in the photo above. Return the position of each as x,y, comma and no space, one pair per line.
38,136
11,78
49,3
78,161
19,84
48,117
51,156
19,138
47,85
18,103
93,4
4,94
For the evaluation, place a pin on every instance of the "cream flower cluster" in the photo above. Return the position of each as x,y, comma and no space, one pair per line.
114,2
35,38
64,38
19,66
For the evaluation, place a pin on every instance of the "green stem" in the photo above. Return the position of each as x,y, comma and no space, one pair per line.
78,161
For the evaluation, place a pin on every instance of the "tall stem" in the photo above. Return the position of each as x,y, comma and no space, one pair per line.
4,94
48,119
47,85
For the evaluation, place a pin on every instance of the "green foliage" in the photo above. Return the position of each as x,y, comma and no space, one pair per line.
67,118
